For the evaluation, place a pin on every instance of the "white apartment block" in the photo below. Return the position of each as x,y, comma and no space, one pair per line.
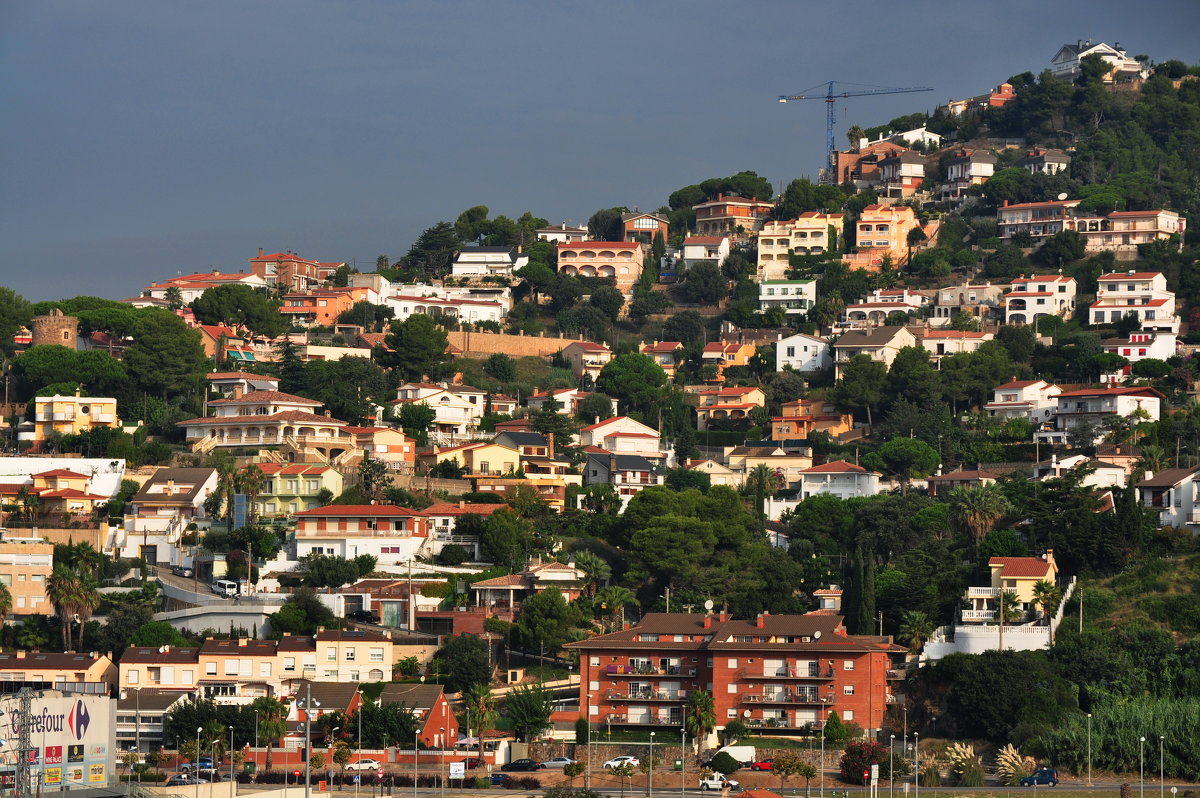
1041,295
1141,294
794,296
812,233
1036,400
803,353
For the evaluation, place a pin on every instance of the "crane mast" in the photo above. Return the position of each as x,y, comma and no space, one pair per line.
831,97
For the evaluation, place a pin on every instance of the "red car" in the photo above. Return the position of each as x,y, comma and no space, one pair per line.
763,765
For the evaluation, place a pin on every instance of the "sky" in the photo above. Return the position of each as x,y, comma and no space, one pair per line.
144,139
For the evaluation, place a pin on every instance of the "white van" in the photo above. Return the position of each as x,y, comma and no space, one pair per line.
225,587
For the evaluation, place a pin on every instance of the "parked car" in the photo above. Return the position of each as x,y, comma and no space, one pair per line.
1041,776
363,616
558,762
499,778
718,781
180,779
183,571
472,762
204,763
522,765
617,761
364,764
765,764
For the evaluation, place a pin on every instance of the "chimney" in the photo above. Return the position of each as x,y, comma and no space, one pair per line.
758,622
550,444
708,620
462,504
1004,203
169,490
612,465
238,391
20,654
723,617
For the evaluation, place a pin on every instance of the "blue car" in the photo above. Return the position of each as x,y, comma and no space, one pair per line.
1041,776
205,763
500,778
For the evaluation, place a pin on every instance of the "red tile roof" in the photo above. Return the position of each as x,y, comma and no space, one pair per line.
1111,391
233,375
61,472
836,467
360,510
1124,276
467,508
255,397
1020,566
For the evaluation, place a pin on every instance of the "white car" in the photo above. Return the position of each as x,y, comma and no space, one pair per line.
558,762
716,781
617,761
363,764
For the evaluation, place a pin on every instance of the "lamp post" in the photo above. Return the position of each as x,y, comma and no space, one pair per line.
891,772
1142,766
442,773
1162,788
231,788
904,739
823,698
650,765
683,761
216,742
1089,738
308,705
196,761
358,712
416,748
917,763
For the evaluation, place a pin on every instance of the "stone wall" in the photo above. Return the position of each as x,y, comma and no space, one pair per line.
487,343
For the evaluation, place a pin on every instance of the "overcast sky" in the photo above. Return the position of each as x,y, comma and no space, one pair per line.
143,139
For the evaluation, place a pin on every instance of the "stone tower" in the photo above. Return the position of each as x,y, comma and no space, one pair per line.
54,329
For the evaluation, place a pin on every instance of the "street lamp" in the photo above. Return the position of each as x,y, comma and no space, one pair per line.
442,745
308,704
1089,738
823,704
683,761
1161,783
358,712
196,761
650,764
917,763
1142,766
230,757
891,772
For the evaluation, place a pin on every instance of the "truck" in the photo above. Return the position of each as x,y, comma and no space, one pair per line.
743,754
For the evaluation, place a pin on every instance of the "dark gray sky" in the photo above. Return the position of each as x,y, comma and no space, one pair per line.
142,139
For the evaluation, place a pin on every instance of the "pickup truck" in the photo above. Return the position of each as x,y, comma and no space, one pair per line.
717,781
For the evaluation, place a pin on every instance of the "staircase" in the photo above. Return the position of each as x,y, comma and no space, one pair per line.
205,444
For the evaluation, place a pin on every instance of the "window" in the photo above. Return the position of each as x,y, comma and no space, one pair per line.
731,713
350,653
848,665
264,669
134,676
331,674
354,676
231,667
731,688
188,677
848,714
39,578
732,663
848,689
595,661
210,669
289,664
331,654
375,675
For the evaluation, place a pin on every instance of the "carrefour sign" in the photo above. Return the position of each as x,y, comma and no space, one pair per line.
47,720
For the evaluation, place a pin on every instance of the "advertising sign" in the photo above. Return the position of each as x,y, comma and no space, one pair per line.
71,737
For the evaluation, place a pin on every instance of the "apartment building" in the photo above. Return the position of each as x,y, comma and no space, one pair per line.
785,673
25,565
1143,295
796,297
288,271
1041,295
71,415
811,233
882,231
45,670
393,535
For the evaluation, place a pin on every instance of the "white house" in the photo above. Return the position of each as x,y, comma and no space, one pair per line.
623,435
568,399
699,249
883,302
157,515
1036,400
839,478
982,302
563,233
794,296
804,353
1093,405
1065,64
629,474
1142,346
393,535
457,408
1173,494
260,418
1040,295
1104,475
487,262
881,344
1140,294
941,343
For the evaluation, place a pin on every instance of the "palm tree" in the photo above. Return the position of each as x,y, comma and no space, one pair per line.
481,705
699,716
250,481
854,133
614,599
5,604
761,481
976,508
1046,595
1006,610
596,568
915,628
87,599
62,588
271,713
1154,459
86,559
174,298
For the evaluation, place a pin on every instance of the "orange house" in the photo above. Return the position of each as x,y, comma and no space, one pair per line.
722,355
805,416
320,307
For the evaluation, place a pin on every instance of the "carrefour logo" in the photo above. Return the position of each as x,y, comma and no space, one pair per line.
78,720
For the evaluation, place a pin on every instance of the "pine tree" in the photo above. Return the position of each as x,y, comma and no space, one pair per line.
866,599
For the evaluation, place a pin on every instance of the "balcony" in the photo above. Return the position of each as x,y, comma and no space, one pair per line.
983,592
786,673
897,673
780,723
979,615
644,720
647,670
647,695
786,697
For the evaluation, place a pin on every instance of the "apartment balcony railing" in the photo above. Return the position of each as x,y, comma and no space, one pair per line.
780,723
786,673
648,695
648,670
785,697
982,592
644,720
979,615
897,673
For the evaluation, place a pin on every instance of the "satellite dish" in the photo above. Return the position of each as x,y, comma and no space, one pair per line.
817,635
1062,196
708,605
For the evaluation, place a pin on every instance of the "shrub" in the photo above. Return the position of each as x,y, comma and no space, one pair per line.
723,763
452,554
931,776
859,756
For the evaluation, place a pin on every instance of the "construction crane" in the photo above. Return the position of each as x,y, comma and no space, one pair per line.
830,97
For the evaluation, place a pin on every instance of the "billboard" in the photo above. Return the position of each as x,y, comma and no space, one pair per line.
71,739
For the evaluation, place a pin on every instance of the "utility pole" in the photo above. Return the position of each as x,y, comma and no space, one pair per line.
24,702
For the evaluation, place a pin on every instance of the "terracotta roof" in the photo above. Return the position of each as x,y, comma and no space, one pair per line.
958,476
466,508
599,245
255,397
510,580
665,347
590,346
360,510
1020,566
954,334
1113,391
1018,384
836,467
233,375
70,493
61,472
1125,276
285,415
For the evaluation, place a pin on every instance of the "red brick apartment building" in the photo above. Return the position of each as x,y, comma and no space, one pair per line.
779,672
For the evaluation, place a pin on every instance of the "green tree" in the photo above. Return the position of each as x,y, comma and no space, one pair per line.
500,367
790,763
975,509
326,570
546,622
595,407
915,628
724,763
605,224
858,757
433,251
366,315
165,357
416,419
704,284
634,379
835,731
240,305
685,327
908,457
417,349
15,312
1006,610
528,709
699,715
861,386
480,705
466,662
271,714
506,539
608,300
